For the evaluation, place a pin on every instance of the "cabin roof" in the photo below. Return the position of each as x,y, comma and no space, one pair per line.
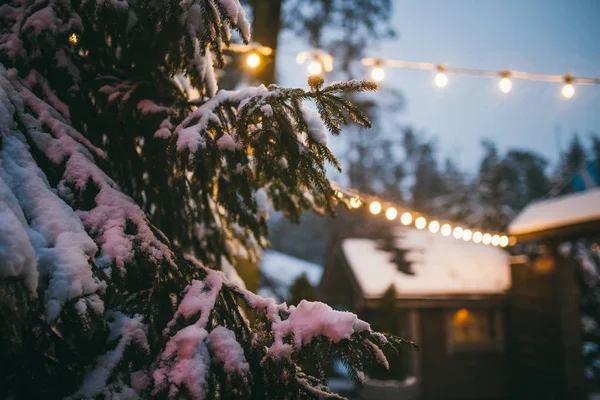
561,216
283,270
441,266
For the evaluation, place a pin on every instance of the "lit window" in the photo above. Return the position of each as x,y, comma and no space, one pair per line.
471,329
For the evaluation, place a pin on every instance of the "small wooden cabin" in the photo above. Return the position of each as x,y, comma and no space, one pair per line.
453,297
489,326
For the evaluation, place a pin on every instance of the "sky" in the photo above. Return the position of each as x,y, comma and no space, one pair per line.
541,36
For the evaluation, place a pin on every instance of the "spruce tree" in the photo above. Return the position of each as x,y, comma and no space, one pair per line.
301,289
493,199
111,127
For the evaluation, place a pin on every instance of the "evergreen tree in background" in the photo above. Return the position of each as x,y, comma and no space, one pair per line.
525,176
572,161
457,202
388,318
302,289
110,117
493,209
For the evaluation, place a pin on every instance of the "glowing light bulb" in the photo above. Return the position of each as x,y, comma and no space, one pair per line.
315,68
568,90
73,38
339,195
446,230
495,240
421,223
434,227
486,239
503,241
375,207
253,60
355,202
457,232
391,213
441,79
467,235
505,85
477,236
406,218
377,73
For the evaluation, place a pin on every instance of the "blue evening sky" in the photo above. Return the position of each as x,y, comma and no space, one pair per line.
544,36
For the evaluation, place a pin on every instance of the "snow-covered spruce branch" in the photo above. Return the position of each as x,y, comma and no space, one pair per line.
269,137
206,331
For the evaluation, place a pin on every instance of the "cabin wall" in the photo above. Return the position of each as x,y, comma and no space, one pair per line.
544,330
476,374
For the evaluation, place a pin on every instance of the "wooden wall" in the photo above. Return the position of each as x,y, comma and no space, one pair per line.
477,374
545,331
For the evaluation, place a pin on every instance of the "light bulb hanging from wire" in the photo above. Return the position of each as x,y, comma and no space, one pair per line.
434,227
377,73
446,230
253,60
441,79
355,202
391,213
315,67
568,90
505,85
375,207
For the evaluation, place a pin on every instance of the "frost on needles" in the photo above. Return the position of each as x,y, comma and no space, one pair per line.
131,188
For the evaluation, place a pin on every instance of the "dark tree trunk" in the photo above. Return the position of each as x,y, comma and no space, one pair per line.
266,23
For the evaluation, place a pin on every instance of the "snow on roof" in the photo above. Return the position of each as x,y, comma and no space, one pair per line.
442,265
557,212
283,269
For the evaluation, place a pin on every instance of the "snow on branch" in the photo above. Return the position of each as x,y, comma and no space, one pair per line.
275,106
65,241
199,336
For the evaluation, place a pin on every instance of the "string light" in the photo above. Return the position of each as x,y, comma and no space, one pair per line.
495,240
446,230
486,239
505,85
73,38
391,213
568,90
377,73
355,202
467,235
457,232
406,218
253,60
441,79
375,207
434,227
